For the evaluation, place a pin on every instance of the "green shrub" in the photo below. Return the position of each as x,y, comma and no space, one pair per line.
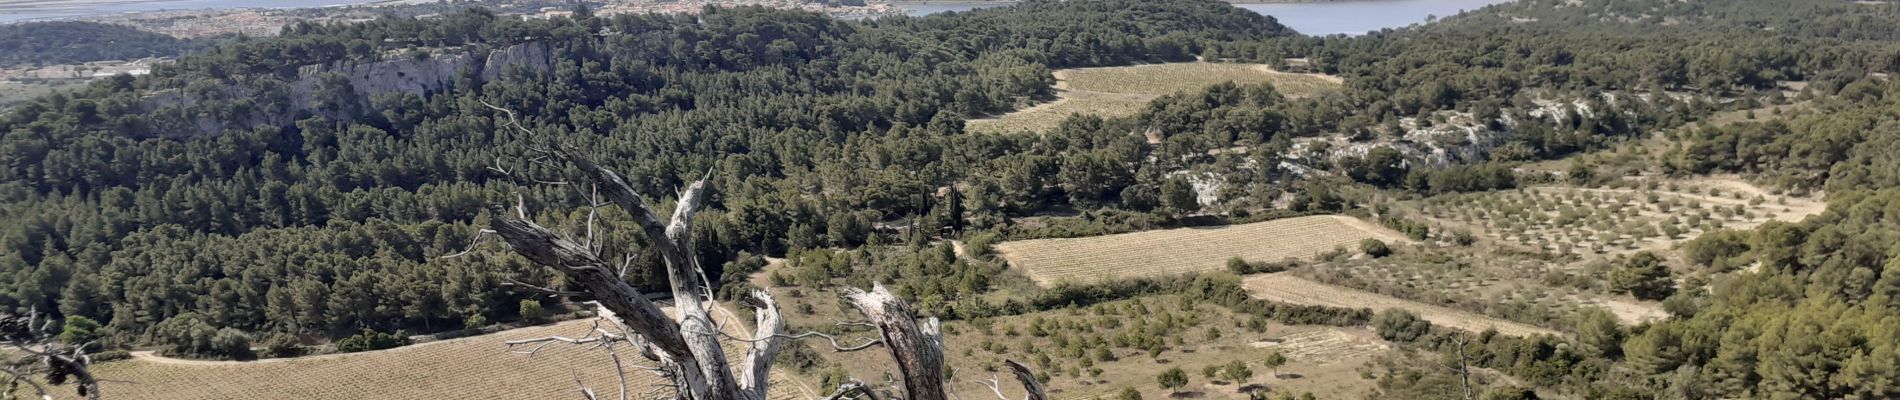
109,355
1173,379
368,340
532,312
282,345
1400,325
1239,266
981,244
1375,248
1129,394
232,343
1643,276
1236,372
1463,237
81,331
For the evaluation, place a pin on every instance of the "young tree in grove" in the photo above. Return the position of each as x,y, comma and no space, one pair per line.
1274,361
1173,379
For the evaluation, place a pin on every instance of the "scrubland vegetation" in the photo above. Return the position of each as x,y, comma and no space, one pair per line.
843,158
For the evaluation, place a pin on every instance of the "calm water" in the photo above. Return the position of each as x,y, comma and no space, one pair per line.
1348,17
12,11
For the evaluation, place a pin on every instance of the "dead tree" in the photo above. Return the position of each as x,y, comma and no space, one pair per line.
685,347
46,360
1460,362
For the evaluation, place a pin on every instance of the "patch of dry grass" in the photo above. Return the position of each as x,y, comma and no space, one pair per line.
479,367
1185,250
1123,91
1161,79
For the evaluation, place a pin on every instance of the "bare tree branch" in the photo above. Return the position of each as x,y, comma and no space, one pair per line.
539,288
916,345
757,367
688,346
586,392
620,371
481,235
1032,389
19,376
634,311
27,334
852,390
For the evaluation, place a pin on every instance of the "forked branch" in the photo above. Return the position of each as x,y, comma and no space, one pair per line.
687,346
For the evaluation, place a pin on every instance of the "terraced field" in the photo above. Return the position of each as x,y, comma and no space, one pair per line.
1617,220
1122,91
1323,346
477,367
1291,289
1185,250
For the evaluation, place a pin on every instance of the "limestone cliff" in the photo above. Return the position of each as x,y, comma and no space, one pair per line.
422,75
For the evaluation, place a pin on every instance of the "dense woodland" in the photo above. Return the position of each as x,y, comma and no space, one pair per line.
817,131
822,134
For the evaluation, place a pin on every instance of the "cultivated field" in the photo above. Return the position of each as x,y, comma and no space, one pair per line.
1185,250
1651,215
1095,351
1525,287
1291,289
1122,91
1323,346
478,367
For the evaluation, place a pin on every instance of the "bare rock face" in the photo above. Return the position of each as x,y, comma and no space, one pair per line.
409,75
422,75
531,56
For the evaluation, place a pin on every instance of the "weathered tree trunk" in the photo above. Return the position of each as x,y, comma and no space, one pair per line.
917,345
687,345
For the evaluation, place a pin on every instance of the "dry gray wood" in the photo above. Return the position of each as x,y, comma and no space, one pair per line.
28,334
687,346
1032,389
758,360
916,345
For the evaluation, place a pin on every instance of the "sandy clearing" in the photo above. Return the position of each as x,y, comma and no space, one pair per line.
1631,312
1185,250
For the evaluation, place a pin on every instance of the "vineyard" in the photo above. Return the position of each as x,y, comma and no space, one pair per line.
1533,288
1291,289
1323,346
466,368
1123,91
1100,349
1619,219
1185,250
